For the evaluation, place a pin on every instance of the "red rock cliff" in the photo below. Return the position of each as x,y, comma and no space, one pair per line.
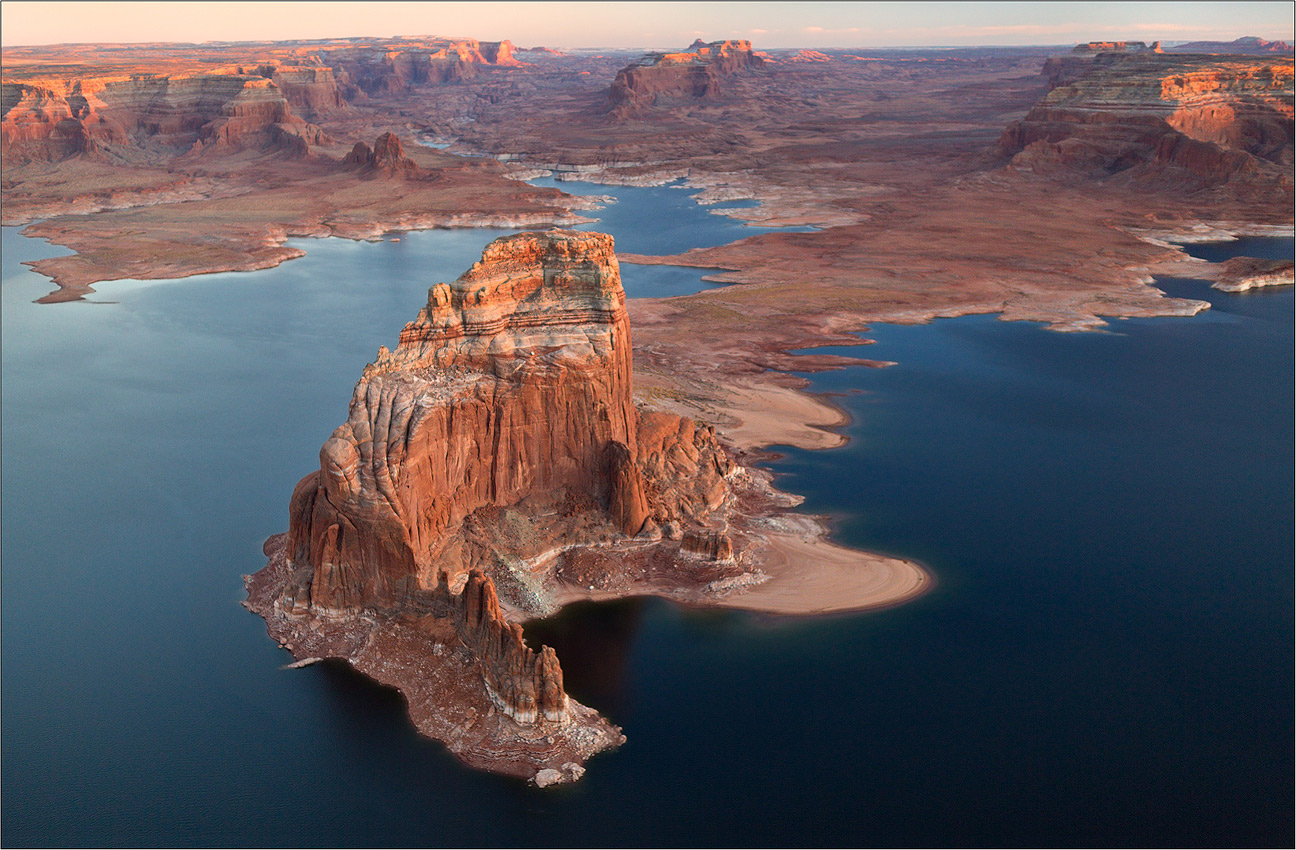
51,119
662,78
513,383
1197,120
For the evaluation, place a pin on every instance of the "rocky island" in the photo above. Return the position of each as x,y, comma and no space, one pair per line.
497,465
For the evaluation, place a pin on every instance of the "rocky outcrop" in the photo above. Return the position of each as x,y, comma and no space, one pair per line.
661,79
1117,47
500,442
709,543
311,90
1242,273
525,685
386,159
377,70
49,120
512,383
1246,46
1207,120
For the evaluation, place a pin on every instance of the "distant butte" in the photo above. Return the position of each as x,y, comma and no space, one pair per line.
497,465
663,79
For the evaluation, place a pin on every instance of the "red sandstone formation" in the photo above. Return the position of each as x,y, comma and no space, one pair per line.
662,78
523,684
126,116
1210,119
386,158
708,543
312,90
1246,46
398,66
1118,47
500,434
513,382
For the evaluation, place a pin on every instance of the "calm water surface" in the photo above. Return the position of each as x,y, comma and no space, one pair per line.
1107,658
661,220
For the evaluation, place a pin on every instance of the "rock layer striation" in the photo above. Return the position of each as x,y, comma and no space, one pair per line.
500,446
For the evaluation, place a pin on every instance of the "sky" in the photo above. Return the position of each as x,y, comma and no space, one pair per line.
655,24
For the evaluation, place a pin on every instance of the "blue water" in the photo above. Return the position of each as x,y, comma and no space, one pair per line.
1266,248
1106,659
661,221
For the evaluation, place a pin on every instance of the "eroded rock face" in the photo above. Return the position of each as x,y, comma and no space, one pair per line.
662,78
512,383
386,158
523,684
52,119
709,543
501,438
1210,119
382,70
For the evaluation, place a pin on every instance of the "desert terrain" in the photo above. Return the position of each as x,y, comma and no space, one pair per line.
1037,184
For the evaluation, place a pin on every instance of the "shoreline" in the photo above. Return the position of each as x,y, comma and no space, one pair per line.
73,284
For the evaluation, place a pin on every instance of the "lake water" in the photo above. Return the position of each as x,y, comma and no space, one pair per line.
662,220
1106,659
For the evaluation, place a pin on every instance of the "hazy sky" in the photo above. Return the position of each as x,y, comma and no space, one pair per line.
647,24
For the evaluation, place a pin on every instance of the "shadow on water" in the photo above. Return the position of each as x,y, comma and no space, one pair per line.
594,642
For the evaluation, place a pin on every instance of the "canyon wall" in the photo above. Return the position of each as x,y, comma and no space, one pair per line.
1208,119
51,119
391,69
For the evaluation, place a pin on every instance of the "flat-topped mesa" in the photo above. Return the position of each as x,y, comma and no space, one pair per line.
664,78
514,383
396,66
1117,47
1247,45
1183,121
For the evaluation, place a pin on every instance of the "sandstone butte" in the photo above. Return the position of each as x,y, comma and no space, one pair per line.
497,465
661,79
